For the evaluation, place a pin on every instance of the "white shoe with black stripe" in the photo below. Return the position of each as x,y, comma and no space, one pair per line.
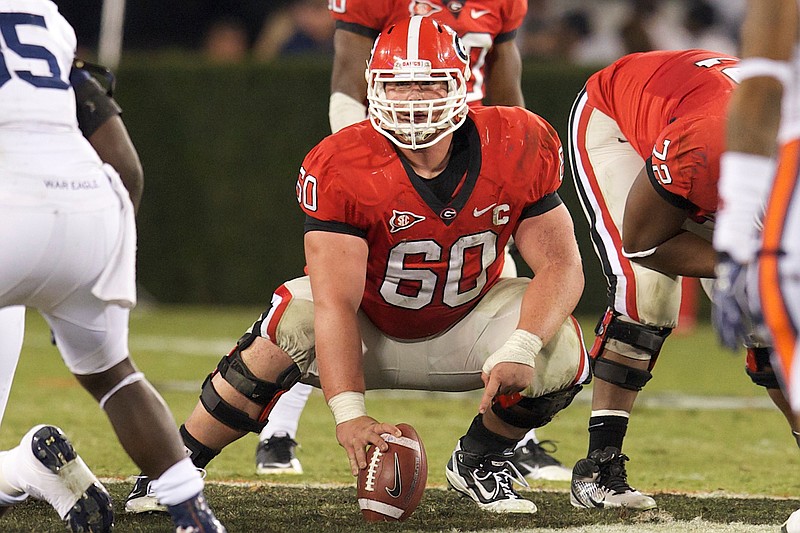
600,481
488,480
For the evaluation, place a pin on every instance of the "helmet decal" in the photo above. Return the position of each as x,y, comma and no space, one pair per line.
461,50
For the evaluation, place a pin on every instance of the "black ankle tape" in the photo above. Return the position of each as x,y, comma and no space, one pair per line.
199,453
605,431
481,441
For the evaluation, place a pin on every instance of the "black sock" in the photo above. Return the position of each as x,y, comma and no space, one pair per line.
606,431
481,441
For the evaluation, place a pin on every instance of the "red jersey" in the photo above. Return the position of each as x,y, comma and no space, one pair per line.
430,261
479,23
671,106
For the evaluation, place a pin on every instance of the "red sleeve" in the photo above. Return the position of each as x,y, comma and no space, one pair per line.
372,14
547,160
513,15
685,162
318,189
532,153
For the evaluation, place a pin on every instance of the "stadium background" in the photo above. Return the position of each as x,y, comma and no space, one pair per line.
221,143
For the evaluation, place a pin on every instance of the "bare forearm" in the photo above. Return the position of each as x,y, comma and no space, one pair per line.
685,254
338,342
550,298
503,75
754,117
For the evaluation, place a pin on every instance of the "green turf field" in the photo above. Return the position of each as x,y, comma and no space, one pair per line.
703,439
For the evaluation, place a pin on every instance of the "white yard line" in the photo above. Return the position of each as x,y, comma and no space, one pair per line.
678,526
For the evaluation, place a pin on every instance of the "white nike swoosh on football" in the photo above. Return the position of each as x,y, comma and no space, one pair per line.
476,14
478,212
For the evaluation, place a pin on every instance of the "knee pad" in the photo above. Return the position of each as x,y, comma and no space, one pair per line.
529,413
265,393
629,339
759,368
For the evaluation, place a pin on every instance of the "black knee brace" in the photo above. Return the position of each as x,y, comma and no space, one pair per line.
647,339
265,393
531,413
759,368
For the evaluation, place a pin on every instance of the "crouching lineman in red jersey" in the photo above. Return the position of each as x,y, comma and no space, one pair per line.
488,29
646,136
406,221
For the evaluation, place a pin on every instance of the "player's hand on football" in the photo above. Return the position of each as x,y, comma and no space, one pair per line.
505,378
356,434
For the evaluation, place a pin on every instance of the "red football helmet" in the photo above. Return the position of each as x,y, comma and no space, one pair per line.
419,50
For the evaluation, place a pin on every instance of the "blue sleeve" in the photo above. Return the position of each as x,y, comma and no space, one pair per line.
78,77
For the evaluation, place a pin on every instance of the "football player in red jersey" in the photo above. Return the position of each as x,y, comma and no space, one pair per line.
762,124
488,30
646,135
406,219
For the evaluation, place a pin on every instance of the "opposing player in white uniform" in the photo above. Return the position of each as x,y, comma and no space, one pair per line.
74,262
762,163
100,122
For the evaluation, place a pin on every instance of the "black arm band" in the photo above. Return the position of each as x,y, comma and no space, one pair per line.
94,106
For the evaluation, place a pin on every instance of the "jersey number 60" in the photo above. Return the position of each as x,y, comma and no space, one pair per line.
484,248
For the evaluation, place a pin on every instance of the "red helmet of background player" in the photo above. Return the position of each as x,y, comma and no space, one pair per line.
419,49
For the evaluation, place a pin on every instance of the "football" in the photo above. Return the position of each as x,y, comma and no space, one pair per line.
391,486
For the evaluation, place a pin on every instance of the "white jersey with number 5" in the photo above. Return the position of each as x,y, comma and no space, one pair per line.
37,105
67,234
38,46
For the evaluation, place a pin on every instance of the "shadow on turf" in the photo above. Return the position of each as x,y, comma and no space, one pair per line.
269,509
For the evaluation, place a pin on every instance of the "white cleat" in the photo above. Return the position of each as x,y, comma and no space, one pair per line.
275,455
51,470
536,463
142,499
488,480
792,524
600,481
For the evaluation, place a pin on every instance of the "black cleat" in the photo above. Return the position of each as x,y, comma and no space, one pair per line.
276,456
92,511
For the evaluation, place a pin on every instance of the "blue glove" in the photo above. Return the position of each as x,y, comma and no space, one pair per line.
731,314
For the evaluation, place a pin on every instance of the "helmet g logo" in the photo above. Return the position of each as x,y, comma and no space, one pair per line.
460,49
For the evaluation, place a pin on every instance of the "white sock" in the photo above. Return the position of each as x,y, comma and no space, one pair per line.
285,416
179,483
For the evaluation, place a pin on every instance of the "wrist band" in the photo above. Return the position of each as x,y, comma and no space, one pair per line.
347,406
639,255
744,184
521,347
344,110
757,67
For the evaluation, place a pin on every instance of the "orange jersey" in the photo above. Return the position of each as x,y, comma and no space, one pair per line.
430,261
479,23
671,107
